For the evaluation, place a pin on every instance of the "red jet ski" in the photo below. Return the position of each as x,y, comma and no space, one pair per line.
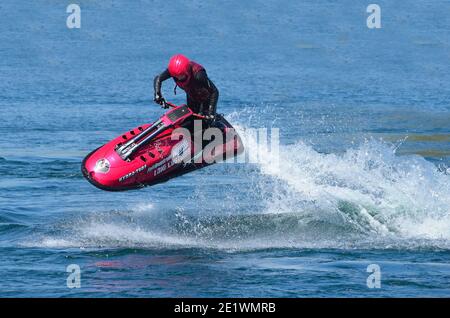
155,153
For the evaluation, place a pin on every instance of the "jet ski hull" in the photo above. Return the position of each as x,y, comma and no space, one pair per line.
157,161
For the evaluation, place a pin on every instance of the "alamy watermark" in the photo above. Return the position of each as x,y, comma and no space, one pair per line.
374,279
225,144
73,21
74,278
374,19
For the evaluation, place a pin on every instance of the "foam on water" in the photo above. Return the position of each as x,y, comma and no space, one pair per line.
367,188
365,197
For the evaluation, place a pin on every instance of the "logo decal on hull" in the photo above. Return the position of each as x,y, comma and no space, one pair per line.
163,168
157,165
129,175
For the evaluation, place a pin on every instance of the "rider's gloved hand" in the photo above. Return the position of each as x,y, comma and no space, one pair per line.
160,100
210,119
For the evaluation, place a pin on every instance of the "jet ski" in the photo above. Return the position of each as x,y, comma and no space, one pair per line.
153,153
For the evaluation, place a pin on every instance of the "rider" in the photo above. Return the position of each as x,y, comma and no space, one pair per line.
201,93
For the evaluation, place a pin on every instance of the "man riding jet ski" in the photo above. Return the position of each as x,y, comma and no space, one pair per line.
201,93
148,154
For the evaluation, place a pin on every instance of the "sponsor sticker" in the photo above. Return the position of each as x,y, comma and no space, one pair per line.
129,175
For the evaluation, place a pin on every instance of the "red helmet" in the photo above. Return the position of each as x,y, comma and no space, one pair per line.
179,66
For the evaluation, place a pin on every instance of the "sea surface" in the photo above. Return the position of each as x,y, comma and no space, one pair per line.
364,151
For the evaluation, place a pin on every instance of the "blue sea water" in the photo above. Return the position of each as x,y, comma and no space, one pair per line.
364,177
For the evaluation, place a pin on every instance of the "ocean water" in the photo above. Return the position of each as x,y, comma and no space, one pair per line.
364,155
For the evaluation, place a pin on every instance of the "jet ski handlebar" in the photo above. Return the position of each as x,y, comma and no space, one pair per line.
166,103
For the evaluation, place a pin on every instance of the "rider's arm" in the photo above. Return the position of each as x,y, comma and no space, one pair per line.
158,80
214,92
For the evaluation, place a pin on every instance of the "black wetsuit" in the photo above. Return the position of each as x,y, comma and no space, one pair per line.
202,94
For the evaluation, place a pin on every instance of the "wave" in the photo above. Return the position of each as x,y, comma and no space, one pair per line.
365,197
368,189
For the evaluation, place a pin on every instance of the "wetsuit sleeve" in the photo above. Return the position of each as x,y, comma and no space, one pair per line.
158,80
214,92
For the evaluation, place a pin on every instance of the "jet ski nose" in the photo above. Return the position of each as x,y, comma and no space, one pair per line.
102,166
